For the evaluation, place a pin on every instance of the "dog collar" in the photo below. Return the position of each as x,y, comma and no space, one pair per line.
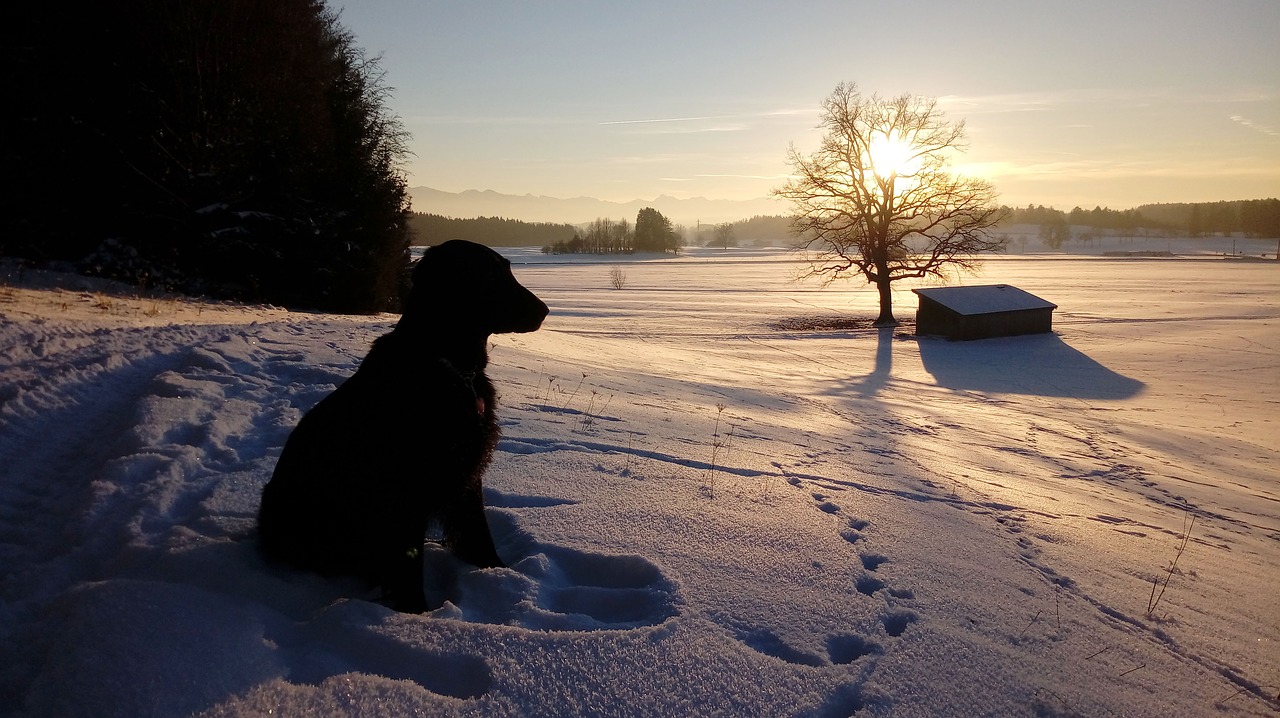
468,380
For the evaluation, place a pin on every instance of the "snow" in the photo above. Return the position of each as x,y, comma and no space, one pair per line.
702,515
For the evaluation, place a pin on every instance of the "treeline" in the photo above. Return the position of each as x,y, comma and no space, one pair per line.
652,233
1260,218
602,236
428,229
238,148
762,228
1098,217
1254,218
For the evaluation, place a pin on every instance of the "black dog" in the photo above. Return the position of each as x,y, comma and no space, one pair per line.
405,440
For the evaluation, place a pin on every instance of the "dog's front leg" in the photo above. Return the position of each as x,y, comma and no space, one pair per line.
402,579
467,531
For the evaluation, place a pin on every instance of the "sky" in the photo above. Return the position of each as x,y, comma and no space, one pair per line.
1085,104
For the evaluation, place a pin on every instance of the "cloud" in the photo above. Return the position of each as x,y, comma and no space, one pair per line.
651,159
1264,129
736,127
754,177
488,121
792,112
692,124
1116,97
656,120
1093,169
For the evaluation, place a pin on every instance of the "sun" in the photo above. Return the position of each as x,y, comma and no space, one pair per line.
892,156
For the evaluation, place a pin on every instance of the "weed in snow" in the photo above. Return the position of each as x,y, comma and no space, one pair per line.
546,398
1154,601
591,414
719,444
574,393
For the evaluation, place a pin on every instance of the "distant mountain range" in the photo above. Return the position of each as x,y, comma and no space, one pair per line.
580,210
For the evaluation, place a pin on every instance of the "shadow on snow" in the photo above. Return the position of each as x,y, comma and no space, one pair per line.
1034,364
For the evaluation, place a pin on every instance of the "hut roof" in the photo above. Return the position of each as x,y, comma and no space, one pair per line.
986,299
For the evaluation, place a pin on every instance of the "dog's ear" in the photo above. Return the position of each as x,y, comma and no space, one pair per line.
444,280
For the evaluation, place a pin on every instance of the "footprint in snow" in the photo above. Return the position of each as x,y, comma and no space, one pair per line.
765,641
586,591
895,622
824,505
845,648
868,583
853,534
872,561
549,587
842,648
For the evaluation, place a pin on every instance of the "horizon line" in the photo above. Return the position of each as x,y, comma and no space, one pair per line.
771,199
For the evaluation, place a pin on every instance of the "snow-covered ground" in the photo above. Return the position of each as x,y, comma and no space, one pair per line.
704,514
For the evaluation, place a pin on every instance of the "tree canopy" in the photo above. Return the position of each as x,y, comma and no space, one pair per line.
239,148
876,199
654,232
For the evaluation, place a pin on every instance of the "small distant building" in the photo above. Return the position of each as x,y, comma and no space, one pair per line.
997,310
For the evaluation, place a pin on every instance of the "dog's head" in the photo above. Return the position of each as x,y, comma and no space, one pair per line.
470,287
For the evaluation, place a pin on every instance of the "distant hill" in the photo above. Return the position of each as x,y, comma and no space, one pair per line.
580,210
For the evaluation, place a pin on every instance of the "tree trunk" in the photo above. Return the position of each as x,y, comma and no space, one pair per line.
886,301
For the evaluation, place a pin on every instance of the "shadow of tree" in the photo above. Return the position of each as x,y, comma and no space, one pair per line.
871,384
1035,364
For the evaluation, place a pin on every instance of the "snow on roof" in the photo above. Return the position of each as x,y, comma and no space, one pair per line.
986,299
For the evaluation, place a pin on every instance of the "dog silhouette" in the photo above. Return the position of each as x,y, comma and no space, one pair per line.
406,440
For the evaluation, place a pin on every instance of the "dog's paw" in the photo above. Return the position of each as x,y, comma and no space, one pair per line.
480,558
407,603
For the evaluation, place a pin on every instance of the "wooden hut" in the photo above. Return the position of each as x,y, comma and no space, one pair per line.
997,310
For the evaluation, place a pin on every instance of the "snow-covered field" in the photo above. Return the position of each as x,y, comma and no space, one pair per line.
704,514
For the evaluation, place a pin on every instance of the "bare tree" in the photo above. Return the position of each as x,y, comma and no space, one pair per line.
724,235
876,198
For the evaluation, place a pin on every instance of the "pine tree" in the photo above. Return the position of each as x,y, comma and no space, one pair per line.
654,232
239,148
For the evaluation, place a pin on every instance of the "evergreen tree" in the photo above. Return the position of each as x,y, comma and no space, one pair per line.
239,148
491,231
654,232
1195,224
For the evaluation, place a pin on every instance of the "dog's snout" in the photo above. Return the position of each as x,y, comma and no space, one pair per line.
535,312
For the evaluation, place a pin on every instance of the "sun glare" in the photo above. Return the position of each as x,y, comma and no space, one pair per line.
892,155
